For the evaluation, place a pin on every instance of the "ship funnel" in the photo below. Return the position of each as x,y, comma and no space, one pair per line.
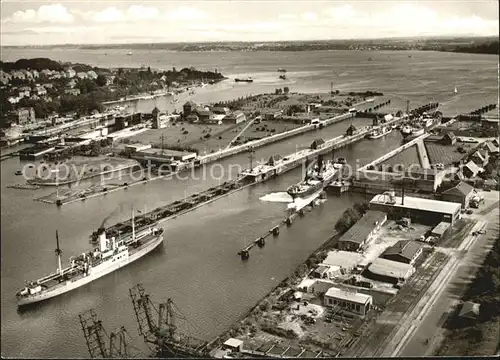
101,235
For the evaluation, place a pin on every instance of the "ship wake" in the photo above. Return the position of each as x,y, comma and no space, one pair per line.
279,197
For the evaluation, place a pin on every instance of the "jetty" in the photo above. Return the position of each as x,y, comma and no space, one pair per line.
288,221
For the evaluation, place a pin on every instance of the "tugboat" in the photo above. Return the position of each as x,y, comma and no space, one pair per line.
406,130
315,180
110,255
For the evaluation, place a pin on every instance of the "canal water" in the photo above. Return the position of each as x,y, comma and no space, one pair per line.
197,266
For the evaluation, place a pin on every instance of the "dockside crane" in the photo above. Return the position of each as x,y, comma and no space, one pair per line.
159,327
99,344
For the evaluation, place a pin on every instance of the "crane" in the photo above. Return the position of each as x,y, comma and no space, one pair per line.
99,344
162,330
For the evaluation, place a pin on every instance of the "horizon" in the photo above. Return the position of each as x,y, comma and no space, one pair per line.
407,38
44,23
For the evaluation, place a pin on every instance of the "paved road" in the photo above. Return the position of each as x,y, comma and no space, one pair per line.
430,325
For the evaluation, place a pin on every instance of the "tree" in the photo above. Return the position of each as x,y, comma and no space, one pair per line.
101,80
286,90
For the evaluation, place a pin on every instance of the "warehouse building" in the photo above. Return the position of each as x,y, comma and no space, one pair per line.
404,251
461,194
354,302
363,231
389,271
425,211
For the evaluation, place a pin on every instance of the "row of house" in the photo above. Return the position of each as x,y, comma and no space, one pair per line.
194,112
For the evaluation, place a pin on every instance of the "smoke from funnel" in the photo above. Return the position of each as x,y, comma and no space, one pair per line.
107,218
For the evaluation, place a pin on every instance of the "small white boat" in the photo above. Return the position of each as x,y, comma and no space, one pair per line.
456,91
378,133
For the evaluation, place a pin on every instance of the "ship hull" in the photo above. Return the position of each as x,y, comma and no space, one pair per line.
303,194
95,274
377,136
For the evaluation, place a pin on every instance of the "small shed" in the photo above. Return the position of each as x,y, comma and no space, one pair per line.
317,144
470,310
350,130
234,344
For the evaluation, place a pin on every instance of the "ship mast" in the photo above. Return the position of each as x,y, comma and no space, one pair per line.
133,225
58,252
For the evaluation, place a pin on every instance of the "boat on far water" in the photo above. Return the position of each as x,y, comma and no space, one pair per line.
378,133
247,79
108,255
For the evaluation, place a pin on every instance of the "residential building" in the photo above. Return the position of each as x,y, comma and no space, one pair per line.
70,73
235,118
82,75
23,116
48,85
4,77
41,91
491,148
18,75
405,251
363,231
354,302
28,74
72,84
480,157
73,92
92,74
36,74
420,210
461,193
470,170
25,93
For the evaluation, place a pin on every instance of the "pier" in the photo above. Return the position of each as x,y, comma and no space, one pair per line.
275,230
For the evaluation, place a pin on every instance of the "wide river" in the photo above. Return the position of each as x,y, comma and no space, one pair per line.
198,266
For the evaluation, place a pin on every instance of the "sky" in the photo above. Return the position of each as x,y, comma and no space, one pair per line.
108,21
